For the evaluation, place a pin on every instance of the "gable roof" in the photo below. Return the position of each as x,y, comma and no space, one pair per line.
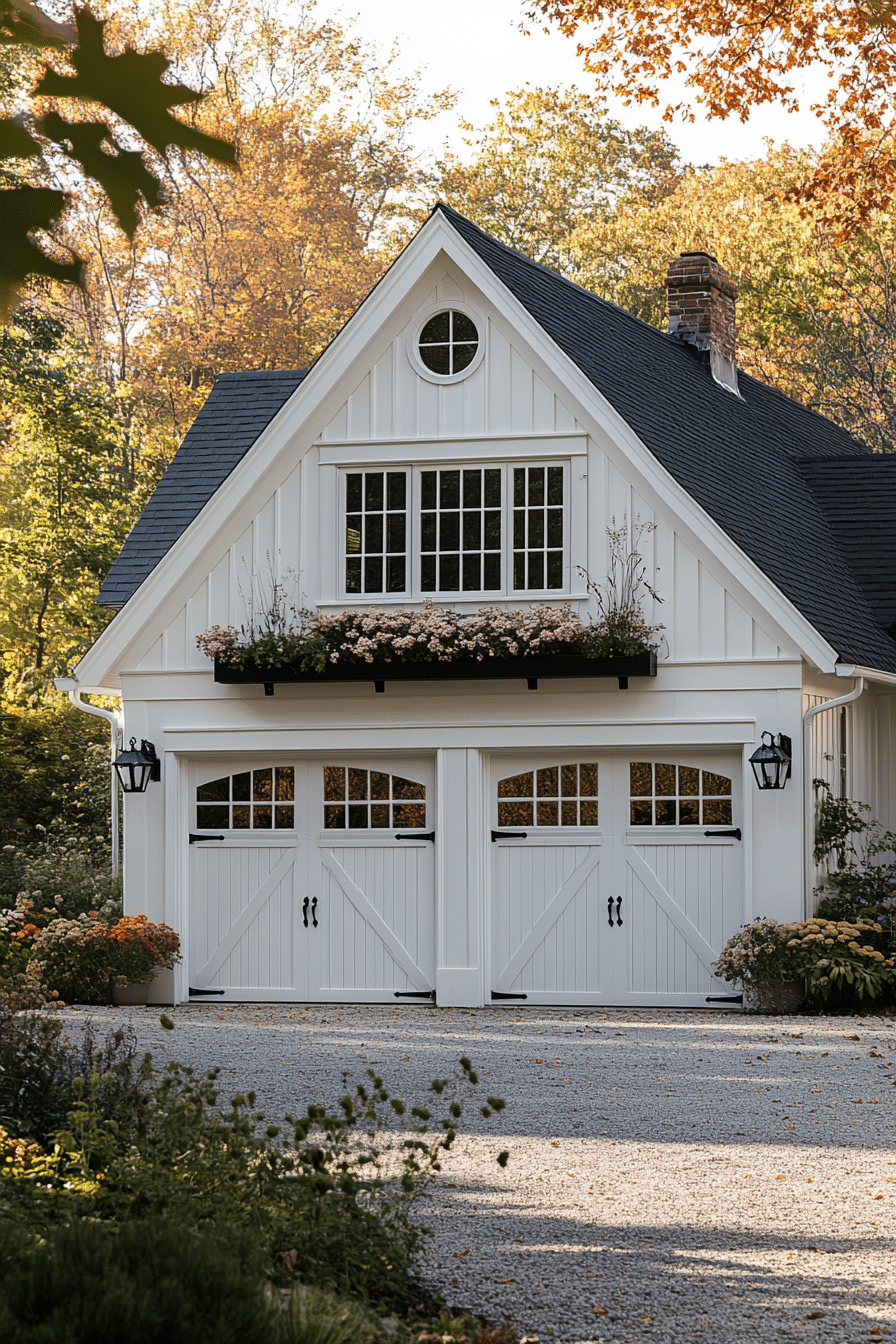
738,457
748,461
238,408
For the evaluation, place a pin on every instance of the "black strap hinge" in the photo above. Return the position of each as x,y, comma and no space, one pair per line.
509,835
414,993
724,998
496,994
194,839
204,991
735,834
417,835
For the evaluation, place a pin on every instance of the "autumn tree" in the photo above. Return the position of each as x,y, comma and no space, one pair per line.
258,270
816,315
549,164
736,55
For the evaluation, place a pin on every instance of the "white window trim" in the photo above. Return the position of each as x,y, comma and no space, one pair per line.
413,341
574,536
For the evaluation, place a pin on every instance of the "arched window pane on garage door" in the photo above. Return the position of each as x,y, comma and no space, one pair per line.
361,800
678,795
252,800
557,795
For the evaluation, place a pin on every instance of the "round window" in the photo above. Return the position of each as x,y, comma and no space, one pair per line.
448,343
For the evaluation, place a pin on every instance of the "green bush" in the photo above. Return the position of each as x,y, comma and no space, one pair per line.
43,1076
857,876
328,1199
158,1281
54,769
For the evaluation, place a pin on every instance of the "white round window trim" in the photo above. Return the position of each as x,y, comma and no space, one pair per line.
459,343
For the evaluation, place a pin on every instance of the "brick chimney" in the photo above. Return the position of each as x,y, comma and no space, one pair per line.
702,311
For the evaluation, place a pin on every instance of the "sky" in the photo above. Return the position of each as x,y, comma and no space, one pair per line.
476,47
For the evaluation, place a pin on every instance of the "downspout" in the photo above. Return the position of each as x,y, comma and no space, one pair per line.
115,721
808,809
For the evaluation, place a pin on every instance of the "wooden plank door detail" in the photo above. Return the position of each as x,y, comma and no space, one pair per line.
242,913
684,897
547,941
377,919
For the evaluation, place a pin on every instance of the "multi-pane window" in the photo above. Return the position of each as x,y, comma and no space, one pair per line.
375,531
678,795
448,342
537,527
476,529
558,795
253,800
360,800
460,530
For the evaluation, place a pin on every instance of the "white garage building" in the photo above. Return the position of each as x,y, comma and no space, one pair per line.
468,438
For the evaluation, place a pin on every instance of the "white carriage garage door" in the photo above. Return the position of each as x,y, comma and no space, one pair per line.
312,881
615,879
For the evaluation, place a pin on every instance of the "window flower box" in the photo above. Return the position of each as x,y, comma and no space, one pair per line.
531,668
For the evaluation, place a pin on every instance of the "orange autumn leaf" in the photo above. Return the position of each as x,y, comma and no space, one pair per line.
736,55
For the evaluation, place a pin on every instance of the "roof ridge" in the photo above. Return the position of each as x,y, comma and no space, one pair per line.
549,271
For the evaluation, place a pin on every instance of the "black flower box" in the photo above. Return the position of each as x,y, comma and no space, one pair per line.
531,669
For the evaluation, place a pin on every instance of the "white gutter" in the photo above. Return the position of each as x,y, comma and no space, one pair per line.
115,720
809,807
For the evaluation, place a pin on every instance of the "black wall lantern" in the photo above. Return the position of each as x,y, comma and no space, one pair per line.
771,761
136,768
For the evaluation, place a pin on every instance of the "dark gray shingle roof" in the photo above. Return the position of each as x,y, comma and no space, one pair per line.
738,458
858,498
238,408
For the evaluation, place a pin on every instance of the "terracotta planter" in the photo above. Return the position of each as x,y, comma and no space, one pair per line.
780,996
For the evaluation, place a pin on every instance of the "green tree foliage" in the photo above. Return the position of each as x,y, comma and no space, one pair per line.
53,771
551,163
68,497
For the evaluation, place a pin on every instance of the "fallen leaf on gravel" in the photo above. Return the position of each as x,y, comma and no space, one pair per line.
538,1061
599,1311
814,1315
459,1255
505,1280
555,1143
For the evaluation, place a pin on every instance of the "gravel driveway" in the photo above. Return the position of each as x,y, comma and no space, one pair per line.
673,1175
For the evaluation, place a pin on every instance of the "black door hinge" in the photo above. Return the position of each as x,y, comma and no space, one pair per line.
509,835
417,835
194,839
204,991
735,834
724,998
414,993
496,994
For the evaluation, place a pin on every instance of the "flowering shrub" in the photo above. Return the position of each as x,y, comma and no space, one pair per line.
71,959
46,957
134,947
431,634
840,960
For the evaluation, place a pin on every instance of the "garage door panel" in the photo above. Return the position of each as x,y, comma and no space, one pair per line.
377,917
241,917
662,958
546,926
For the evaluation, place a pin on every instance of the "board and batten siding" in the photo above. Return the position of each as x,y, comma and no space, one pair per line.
508,396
